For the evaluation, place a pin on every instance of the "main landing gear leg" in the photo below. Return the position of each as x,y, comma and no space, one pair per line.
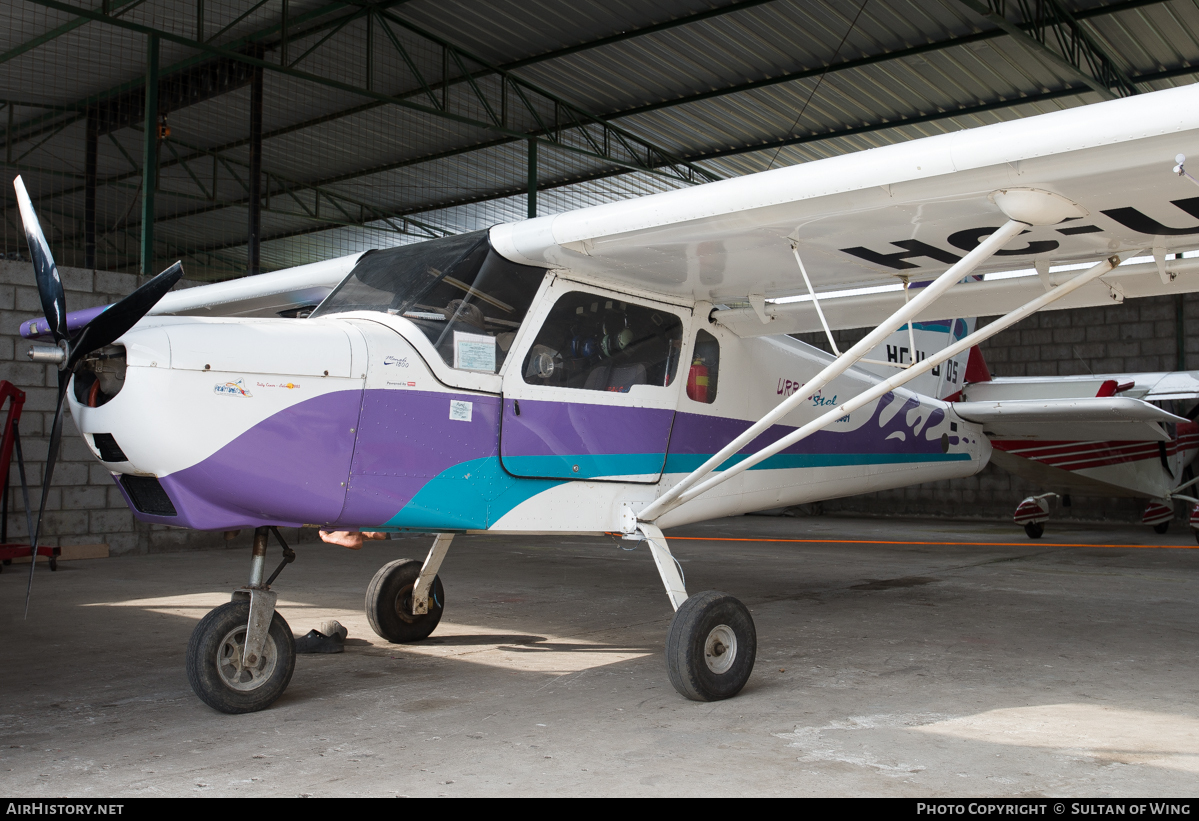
405,599
242,654
711,643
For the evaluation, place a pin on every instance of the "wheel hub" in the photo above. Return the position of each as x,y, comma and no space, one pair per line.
404,604
720,649
238,676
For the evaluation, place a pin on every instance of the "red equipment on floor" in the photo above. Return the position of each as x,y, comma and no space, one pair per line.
9,440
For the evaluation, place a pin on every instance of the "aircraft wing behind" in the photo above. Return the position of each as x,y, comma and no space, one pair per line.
1157,386
906,210
1103,419
272,295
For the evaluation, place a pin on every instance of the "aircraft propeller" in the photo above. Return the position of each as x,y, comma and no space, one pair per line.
103,330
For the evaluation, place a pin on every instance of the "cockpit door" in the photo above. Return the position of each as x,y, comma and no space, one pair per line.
592,395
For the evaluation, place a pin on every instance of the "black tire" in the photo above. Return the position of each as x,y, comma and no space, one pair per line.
1196,532
214,661
53,563
1035,530
1161,527
698,647
389,603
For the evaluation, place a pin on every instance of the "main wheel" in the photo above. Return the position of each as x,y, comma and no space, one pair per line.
1161,527
389,603
710,647
214,661
1035,529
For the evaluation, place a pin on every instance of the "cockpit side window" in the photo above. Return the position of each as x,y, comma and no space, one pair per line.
596,343
466,298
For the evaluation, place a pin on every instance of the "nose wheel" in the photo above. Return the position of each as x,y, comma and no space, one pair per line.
217,669
241,655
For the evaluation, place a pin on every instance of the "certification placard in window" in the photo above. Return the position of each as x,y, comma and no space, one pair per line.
474,352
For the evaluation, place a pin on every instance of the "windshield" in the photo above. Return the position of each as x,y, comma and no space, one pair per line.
467,299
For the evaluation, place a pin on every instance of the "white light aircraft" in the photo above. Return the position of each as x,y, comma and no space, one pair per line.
616,369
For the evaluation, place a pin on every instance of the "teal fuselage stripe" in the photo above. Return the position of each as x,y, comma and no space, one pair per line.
473,495
687,462
641,464
586,465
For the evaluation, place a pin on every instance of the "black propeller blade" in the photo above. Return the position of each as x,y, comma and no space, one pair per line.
49,284
114,322
101,331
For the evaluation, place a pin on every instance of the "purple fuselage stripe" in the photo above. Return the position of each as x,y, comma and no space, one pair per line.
697,434
407,438
289,468
568,429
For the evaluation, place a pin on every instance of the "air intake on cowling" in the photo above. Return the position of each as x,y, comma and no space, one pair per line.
147,495
110,451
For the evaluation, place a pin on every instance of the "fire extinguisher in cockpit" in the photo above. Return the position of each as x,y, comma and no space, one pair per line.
697,381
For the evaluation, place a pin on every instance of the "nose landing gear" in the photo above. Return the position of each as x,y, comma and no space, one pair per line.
241,655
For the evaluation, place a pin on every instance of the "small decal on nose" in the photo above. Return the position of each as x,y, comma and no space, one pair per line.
460,411
237,388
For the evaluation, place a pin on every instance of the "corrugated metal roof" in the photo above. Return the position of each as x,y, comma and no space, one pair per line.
737,87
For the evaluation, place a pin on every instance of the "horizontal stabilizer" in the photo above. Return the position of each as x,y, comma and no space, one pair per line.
1112,418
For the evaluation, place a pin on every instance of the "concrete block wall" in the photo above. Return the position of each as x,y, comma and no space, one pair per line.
84,505
1137,335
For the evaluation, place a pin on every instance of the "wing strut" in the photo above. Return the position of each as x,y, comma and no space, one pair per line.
816,301
896,381
842,363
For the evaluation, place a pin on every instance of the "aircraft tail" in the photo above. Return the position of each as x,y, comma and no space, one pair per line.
928,339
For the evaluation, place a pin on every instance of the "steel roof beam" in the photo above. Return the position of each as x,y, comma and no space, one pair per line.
1079,54
655,160
114,7
732,89
253,40
520,189
265,33
788,78
846,65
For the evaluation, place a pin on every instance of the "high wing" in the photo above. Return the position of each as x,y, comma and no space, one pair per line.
909,210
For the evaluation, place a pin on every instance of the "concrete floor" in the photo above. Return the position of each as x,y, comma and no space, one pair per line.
1022,669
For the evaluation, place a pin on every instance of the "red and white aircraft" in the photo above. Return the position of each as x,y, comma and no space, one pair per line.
1091,459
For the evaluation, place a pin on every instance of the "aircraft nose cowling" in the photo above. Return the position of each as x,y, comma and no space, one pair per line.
239,423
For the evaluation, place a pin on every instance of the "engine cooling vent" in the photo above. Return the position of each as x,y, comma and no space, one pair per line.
110,451
148,496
